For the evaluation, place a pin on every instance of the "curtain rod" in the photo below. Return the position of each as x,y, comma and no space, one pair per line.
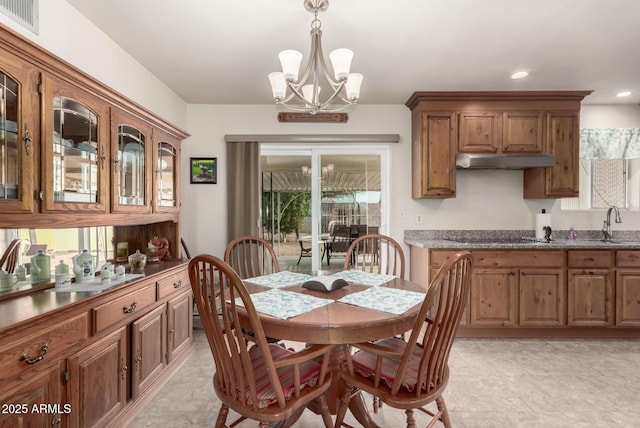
312,138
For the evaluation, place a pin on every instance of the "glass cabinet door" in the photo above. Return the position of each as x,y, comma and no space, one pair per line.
18,128
132,186
75,153
166,164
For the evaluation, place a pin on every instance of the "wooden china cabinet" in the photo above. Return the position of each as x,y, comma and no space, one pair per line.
74,153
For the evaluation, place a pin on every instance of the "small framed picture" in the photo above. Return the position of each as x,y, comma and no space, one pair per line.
203,170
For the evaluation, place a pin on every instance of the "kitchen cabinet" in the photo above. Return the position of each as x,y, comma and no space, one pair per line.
542,297
75,149
494,297
589,288
500,132
628,288
98,377
19,131
434,154
563,142
555,292
447,123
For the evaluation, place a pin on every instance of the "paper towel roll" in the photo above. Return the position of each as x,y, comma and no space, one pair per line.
542,220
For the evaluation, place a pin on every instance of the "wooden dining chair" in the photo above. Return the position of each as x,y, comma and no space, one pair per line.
251,256
410,374
9,259
264,382
376,253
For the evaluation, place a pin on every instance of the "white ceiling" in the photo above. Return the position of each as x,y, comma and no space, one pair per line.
220,52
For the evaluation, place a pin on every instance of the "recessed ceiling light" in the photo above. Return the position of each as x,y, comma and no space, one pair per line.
624,94
519,74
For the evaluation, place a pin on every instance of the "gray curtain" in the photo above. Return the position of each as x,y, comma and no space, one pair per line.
243,189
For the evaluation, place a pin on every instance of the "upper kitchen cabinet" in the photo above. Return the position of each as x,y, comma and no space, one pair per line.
132,157
497,123
166,152
75,149
500,132
19,130
433,150
563,142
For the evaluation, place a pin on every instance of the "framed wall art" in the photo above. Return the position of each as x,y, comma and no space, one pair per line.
203,170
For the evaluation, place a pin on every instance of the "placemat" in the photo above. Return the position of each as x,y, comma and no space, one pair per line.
281,279
384,299
284,304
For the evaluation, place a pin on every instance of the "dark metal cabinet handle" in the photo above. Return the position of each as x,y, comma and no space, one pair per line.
102,159
43,351
138,360
131,309
123,369
27,140
177,284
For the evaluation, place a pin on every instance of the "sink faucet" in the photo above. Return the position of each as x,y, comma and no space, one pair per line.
606,228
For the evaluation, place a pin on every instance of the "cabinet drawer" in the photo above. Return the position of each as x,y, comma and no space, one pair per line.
628,259
519,258
173,284
42,347
587,258
437,257
123,307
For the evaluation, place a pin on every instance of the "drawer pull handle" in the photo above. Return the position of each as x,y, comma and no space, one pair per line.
27,359
177,284
131,309
591,259
123,369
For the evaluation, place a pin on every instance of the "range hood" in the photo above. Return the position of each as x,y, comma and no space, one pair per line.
502,161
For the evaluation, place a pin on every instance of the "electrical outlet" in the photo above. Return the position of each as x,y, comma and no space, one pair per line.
418,218
401,213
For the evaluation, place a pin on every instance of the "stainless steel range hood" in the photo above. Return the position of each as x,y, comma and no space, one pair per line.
502,161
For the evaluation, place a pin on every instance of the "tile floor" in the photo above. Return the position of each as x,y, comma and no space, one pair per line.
494,383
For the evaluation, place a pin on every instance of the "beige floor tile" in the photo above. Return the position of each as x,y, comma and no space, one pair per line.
502,383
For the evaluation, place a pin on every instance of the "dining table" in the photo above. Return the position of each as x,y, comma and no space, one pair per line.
340,320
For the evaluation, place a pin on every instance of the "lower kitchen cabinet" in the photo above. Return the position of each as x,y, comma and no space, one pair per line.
493,298
628,297
98,377
542,300
545,293
589,297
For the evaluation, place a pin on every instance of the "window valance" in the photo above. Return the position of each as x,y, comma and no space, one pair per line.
610,143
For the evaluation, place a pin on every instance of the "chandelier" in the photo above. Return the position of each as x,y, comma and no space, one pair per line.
304,90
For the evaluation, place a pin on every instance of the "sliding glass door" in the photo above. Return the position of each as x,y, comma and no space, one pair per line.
328,194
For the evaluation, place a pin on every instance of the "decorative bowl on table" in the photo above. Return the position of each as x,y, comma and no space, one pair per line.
137,261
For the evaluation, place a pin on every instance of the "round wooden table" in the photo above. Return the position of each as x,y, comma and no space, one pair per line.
341,324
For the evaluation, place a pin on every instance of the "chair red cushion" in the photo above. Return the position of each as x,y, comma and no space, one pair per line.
364,363
309,372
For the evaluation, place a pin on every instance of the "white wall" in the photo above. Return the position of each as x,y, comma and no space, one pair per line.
69,35
204,206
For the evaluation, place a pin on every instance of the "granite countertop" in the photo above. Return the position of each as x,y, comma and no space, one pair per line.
522,239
